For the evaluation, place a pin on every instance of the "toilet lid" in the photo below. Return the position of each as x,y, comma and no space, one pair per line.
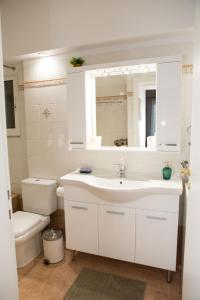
24,221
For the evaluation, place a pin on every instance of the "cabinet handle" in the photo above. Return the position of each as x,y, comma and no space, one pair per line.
173,145
115,212
156,218
80,207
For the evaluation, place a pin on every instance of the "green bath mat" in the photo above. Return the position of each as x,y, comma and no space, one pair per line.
94,285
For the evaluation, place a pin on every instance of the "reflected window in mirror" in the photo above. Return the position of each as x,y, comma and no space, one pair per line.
126,107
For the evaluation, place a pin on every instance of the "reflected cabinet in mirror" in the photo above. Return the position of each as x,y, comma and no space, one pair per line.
126,108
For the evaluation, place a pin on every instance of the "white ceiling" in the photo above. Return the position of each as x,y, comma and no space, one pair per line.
67,25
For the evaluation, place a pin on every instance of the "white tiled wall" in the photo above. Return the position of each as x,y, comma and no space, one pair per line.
17,145
47,151
111,117
111,121
45,135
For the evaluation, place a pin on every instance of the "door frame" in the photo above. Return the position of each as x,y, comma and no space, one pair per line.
191,268
8,280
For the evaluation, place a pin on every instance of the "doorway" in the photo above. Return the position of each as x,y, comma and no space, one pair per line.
150,101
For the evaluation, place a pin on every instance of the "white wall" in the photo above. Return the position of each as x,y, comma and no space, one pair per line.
48,155
111,85
111,121
17,145
111,117
31,26
46,137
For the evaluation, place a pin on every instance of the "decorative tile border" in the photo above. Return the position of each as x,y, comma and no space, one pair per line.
42,83
186,69
114,97
111,98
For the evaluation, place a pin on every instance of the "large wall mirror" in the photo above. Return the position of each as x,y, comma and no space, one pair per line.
126,106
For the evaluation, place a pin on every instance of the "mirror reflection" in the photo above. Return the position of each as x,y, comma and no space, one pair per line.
126,107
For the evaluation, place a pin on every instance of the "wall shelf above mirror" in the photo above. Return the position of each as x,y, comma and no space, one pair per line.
126,105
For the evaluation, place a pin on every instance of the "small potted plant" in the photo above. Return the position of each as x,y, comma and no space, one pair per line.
77,61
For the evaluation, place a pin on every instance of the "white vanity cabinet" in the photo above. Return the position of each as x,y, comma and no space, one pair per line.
117,232
156,238
81,226
143,230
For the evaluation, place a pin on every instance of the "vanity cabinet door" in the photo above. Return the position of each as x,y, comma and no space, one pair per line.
76,110
81,227
117,232
156,239
168,98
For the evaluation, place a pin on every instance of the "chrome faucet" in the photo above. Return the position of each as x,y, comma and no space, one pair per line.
122,170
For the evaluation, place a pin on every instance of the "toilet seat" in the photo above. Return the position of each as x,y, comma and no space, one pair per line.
45,220
23,222
27,228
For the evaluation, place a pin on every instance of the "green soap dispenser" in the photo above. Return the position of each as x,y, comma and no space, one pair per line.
167,171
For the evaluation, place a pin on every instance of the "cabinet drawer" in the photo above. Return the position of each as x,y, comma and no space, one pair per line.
156,239
81,227
117,232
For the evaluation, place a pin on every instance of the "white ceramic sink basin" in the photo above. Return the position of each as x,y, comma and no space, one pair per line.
122,188
118,184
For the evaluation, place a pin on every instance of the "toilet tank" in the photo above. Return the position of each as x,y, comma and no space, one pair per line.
39,195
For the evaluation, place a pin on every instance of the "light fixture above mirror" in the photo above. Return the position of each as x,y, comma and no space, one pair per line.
135,69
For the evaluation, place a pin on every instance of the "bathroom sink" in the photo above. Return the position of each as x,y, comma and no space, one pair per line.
122,188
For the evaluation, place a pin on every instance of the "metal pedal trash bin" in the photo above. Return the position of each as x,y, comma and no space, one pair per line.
53,246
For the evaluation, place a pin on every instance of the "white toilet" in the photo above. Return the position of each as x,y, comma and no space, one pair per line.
39,201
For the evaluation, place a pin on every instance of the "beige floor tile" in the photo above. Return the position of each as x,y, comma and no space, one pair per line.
41,282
